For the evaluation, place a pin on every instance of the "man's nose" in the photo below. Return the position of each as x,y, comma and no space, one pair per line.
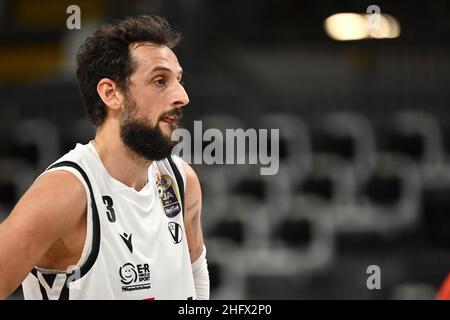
181,98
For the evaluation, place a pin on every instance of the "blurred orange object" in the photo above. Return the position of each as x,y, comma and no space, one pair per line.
444,291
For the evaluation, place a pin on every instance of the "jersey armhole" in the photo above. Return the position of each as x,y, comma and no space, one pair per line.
87,246
92,242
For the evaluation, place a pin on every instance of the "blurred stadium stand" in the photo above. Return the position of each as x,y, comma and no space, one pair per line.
364,137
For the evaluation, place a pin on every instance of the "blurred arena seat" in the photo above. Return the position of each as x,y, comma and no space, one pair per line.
295,158
414,135
434,210
348,135
386,202
43,135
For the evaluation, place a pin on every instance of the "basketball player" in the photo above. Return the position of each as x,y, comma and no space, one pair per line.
118,217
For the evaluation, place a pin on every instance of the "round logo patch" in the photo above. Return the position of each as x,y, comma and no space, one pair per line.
127,273
169,196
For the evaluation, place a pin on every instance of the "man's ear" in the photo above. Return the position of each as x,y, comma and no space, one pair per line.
110,93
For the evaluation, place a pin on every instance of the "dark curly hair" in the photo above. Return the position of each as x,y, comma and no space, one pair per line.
106,54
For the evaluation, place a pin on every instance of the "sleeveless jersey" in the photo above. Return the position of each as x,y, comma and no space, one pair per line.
135,245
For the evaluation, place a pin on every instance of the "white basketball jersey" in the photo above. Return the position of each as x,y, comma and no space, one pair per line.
135,246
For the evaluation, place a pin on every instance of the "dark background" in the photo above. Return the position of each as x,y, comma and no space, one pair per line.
364,173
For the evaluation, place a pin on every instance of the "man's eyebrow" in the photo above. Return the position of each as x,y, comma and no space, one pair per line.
162,68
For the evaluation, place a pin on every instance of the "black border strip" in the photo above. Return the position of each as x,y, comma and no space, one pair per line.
179,179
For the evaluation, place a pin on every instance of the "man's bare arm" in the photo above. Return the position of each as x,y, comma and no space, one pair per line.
192,215
51,209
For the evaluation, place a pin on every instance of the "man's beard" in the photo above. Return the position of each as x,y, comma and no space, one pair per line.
147,142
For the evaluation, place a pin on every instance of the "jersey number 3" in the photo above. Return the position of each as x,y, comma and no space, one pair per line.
107,200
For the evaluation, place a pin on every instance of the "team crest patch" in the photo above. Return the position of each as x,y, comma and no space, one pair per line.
169,196
176,232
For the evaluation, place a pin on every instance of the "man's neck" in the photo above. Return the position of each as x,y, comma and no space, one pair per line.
121,163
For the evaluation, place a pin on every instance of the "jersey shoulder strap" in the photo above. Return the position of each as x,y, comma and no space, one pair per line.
179,178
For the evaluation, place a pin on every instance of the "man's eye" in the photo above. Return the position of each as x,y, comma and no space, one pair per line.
160,82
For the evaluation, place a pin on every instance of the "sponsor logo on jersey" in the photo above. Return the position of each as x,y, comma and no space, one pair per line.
135,277
169,196
176,232
127,239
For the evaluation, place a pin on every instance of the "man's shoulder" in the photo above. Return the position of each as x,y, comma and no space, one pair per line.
63,185
188,172
57,200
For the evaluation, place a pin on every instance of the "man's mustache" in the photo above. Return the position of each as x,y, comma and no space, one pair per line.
175,113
